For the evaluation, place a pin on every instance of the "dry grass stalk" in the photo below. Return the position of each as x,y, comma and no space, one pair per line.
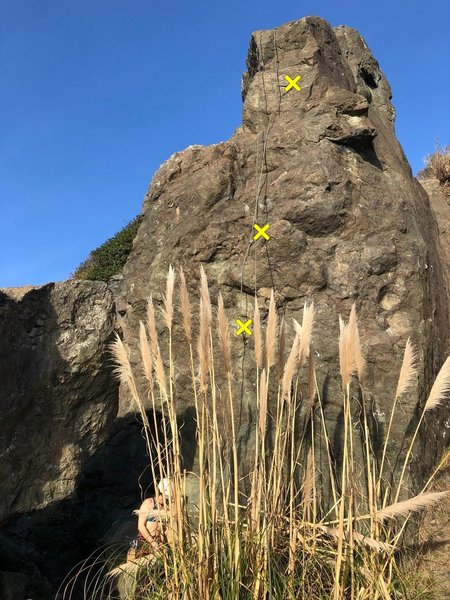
204,295
402,509
276,509
281,349
271,332
124,373
440,388
203,346
185,307
351,358
308,483
290,367
311,384
167,309
306,332
151,326
345,361
405,379
155,348
257,335
408,370
160,373
122,370
224,337
262,404
355,345
146,355
156,351
368,541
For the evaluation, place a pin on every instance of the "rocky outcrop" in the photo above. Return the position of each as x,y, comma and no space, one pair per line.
57,397
57,404
348,221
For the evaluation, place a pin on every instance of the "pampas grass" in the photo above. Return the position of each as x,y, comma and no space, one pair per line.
355,350
290,367
345,357
306,333
441,387
408,370
402,509
185,307
167,309
224,337
265,526
146,354
257,336
154,343
271,332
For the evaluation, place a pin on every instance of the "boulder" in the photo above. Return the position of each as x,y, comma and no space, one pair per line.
348,223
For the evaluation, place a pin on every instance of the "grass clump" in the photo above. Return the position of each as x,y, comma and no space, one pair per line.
109,258
437,166
270,531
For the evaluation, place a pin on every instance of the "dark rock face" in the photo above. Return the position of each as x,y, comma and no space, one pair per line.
348,222
57,406
57,398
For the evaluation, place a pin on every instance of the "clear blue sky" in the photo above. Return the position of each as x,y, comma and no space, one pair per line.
96,94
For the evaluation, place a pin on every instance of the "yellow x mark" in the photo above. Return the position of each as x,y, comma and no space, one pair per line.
243,327
261,232
292,83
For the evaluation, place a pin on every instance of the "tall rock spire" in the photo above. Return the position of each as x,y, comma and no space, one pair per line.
318,160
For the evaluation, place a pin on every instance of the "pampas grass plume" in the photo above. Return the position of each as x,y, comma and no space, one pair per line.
408,370
271,332
440,388
257,335
185,307
167,310
402,509
224,336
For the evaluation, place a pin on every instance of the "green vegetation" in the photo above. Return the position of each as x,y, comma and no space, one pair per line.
109,258
278,532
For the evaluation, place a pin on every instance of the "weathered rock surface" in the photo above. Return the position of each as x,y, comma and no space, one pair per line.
56,398
440,207
57,406
348,222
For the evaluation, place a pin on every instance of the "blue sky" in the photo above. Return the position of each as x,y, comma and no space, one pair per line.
96,94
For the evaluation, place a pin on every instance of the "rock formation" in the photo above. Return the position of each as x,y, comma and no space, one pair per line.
57,403
348,222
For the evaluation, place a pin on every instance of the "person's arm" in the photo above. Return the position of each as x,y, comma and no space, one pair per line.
150,530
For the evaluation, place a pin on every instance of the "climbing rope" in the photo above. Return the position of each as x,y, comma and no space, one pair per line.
261,169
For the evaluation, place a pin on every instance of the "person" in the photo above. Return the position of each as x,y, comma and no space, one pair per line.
150,515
